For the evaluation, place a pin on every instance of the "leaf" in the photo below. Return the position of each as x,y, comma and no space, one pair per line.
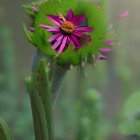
5,133
41,102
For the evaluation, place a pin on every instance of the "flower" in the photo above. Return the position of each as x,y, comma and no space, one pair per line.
68,30
62,31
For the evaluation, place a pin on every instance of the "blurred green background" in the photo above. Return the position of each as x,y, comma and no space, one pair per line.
114,80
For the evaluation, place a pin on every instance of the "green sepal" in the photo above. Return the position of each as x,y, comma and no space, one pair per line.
28,8
28,34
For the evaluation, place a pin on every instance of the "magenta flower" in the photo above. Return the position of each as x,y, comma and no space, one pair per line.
68,30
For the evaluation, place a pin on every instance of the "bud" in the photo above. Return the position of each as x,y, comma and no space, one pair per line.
68,32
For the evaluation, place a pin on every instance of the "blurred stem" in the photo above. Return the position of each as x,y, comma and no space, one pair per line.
89,109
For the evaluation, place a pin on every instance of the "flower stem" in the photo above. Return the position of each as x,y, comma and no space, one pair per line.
41,102
56,81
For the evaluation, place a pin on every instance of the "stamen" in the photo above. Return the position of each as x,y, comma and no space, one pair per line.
61,16
67,27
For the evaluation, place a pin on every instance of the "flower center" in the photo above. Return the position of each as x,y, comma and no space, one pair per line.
67,27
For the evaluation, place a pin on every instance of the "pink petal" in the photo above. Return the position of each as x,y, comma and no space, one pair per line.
84,29
105,50
78,34
31,29
109,42
53,30
57,43
75,40
69,15
45,26
124,14
78,19
54,19
71,41
102,57
63,44
54,37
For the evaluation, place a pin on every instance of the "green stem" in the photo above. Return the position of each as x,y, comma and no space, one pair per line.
57,78
56,75
41,102
43,96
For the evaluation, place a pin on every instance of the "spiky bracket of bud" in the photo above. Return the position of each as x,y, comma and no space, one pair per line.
96,18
